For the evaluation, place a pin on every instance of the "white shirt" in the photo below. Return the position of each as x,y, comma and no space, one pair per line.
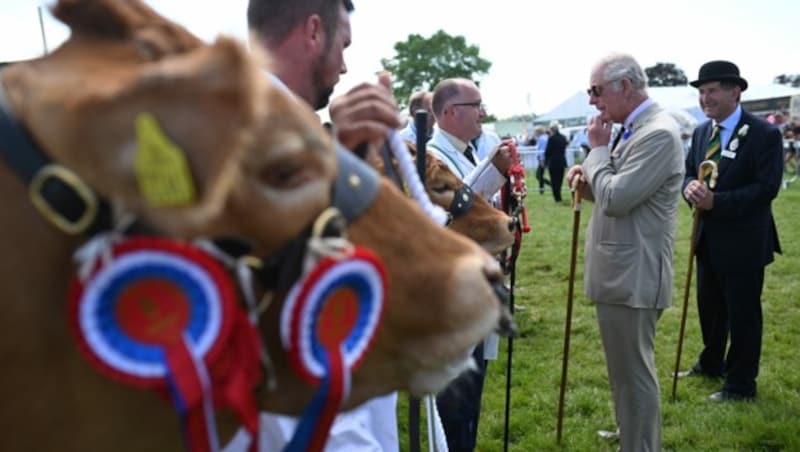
484,178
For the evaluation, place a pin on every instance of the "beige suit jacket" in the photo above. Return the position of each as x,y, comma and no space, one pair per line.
631,235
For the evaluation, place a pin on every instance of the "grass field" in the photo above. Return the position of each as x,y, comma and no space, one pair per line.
771,423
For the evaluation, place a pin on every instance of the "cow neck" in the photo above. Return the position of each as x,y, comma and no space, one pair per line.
57,193
353,191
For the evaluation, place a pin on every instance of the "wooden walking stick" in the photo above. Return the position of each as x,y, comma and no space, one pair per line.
705,167
576,223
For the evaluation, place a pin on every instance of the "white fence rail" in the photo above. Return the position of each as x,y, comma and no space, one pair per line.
531,156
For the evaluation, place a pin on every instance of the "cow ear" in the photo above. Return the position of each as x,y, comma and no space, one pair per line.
210,101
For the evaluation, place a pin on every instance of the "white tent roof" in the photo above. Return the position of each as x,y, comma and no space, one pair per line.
669,97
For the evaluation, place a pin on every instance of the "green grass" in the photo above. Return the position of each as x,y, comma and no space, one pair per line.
771,423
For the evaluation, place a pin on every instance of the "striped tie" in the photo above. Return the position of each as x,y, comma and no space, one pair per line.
714,144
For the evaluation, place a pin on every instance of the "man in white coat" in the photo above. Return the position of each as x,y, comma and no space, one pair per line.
459,111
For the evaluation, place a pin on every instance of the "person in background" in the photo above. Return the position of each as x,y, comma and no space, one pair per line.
736,235
635,185
579,141
541,146
419,100
306,40
555,159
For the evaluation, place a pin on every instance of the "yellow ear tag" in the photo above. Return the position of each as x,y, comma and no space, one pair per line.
161,167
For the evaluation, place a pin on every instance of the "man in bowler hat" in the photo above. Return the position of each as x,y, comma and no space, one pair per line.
736,236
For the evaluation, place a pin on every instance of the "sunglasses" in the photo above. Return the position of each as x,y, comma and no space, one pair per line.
597,90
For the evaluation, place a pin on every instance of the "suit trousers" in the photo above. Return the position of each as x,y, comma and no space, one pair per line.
459,406
540,176
556,177
730,304
628,336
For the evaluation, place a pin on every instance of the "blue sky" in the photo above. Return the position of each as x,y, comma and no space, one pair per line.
541,52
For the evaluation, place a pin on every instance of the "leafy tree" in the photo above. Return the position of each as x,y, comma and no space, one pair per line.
785,79
665,74
420,63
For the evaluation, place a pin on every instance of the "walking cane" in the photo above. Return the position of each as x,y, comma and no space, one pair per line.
576,223
705,167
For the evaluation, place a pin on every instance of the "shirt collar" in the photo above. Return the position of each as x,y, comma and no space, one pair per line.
458,144
628,124
731,121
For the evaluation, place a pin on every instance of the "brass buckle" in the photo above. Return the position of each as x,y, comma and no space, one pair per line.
55,217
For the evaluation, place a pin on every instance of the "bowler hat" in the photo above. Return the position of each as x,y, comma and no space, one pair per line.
719,71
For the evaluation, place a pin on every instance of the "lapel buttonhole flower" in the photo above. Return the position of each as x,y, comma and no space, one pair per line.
743,130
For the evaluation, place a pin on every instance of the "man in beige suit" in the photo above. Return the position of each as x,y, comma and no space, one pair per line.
635,184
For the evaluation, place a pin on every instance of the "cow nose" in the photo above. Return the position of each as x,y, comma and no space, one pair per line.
506,326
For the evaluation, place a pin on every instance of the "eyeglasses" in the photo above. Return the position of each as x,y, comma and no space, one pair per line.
477,104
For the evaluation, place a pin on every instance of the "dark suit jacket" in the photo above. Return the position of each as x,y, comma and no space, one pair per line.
739,231
555,152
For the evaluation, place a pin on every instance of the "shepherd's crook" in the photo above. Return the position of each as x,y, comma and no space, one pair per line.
576,223
706,167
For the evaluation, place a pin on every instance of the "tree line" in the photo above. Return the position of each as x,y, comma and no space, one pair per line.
419,63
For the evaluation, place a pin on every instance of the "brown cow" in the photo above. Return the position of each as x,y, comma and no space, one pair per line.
489,227
262,167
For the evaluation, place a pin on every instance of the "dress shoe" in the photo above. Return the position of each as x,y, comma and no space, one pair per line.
688,373
727,396
695,372
609,435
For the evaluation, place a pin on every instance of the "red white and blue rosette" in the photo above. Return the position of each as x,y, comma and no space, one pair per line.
159,316
328,321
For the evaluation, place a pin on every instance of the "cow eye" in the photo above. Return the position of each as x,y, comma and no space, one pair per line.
285,176
440,188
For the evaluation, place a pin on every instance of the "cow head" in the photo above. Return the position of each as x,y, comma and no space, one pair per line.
261,168
253,153
491,228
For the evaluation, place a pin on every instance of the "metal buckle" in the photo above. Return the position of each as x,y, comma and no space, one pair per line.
73,181
330,221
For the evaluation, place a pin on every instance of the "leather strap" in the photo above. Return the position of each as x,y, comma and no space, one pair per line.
57,191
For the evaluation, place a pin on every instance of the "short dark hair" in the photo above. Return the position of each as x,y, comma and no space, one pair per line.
442,93
273,20
416,100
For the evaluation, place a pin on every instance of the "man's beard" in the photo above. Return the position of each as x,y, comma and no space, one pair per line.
323,93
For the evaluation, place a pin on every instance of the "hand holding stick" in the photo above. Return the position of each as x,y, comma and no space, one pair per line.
706,167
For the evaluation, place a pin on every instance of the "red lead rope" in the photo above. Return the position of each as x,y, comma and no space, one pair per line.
518,189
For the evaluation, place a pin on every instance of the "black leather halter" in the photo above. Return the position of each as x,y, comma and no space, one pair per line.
463,199
68,203
58,193
353,192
